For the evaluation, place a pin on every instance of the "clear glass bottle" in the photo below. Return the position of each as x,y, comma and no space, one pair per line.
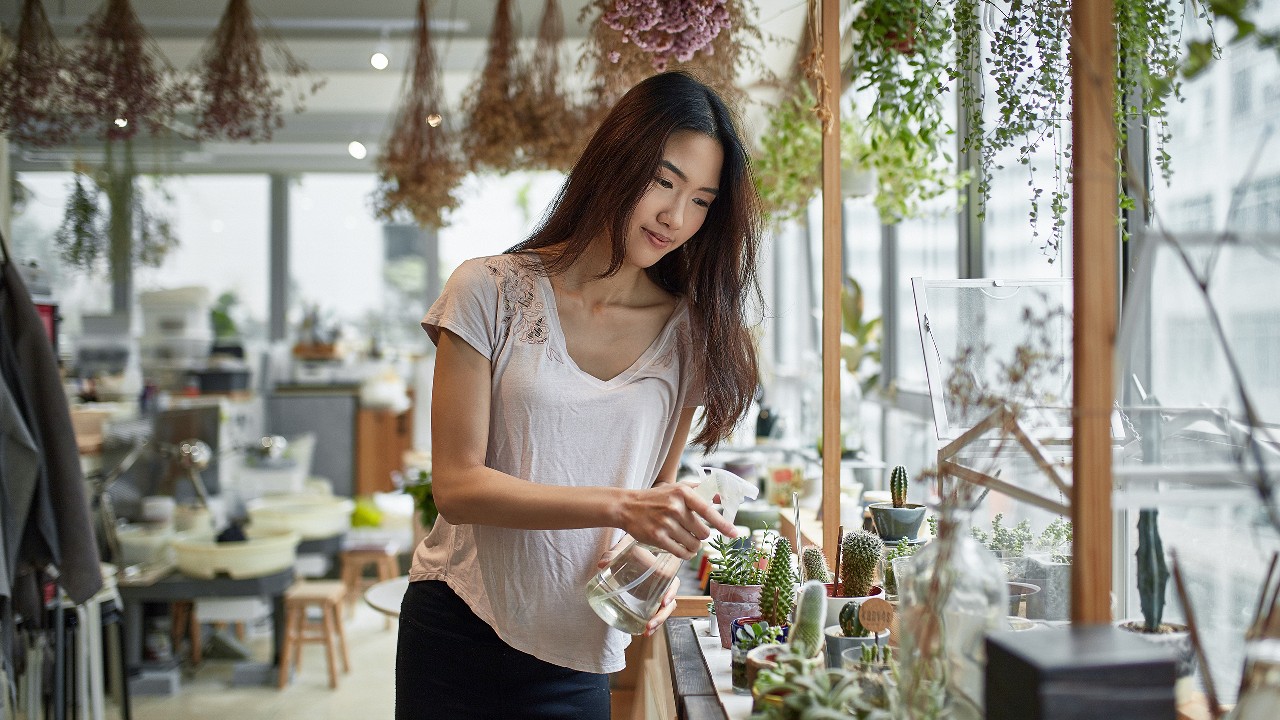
955,595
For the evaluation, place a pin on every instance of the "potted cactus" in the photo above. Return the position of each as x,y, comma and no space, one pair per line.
813,565
736,581
849,632
899,519
778,596
861,553
904,548
811,612
1153,580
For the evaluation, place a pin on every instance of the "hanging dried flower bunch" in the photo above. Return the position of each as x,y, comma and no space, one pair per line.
418,169
237,100
123,81
35,106
82,236
551,138
491,138
617,65
672,29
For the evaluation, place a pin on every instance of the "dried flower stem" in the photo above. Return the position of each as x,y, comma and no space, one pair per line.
35,105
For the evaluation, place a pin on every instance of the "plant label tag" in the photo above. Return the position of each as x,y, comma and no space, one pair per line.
876,615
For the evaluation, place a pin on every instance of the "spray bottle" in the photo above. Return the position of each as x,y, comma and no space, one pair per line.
628,591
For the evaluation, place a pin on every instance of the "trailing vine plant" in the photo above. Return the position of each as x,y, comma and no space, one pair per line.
903,58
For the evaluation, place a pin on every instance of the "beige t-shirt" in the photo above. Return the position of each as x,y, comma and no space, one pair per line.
551,423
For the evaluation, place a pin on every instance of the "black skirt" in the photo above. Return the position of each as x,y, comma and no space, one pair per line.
451,665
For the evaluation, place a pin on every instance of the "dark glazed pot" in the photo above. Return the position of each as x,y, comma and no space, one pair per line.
893,524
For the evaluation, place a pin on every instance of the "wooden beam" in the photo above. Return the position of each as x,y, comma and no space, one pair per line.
1094,238
831,280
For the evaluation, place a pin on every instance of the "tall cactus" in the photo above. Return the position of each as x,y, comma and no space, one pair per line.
813,565
898,486
778,595
811,615
860,555
1153,574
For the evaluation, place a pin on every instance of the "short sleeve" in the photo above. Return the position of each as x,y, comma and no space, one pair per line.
696,394
467,307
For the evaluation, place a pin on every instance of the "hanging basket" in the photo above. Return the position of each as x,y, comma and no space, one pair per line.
418,168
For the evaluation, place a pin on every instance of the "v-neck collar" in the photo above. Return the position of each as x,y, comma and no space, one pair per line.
562,344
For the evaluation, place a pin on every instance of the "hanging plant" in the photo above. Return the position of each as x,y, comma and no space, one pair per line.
788,164
236,98
617,64
491,138
123,82
418,168
35,104
82,238
902,57
666,30
551,137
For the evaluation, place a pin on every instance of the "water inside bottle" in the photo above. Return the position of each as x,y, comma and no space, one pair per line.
623,611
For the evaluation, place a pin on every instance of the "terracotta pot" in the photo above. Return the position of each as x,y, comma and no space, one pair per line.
764,656
732,602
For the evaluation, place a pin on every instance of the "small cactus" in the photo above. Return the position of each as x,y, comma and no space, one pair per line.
860,556
811,614
850,624
898,486
778,595
813,565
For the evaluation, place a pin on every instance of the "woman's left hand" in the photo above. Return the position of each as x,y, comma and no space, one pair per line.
664,610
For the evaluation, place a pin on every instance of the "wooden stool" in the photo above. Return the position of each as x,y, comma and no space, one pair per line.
385,560
326,595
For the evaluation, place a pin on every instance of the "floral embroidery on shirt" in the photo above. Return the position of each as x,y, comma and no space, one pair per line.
521,310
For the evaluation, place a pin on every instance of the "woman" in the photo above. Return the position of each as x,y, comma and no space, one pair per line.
567,374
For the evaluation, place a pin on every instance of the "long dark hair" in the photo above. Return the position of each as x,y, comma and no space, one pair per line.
714,269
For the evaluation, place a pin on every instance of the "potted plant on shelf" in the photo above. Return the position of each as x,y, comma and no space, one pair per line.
904,548
1050,568
898,519
850,632
861,553
749,638
1008,544
778,593
813,565
1153,580
736,579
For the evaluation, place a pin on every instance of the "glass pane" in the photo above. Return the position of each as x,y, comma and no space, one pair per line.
222,223
928,248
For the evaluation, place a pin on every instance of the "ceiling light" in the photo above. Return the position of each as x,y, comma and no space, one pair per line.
122,122
434,119
380,58
357,150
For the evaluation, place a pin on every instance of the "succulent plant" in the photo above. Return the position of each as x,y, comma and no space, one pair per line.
778,597
813,565
898,486
850,622
811,614
860,555
904,548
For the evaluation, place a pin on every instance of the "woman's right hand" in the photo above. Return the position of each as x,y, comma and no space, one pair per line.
671,517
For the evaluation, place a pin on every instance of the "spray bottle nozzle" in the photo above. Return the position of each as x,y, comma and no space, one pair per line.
732,490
